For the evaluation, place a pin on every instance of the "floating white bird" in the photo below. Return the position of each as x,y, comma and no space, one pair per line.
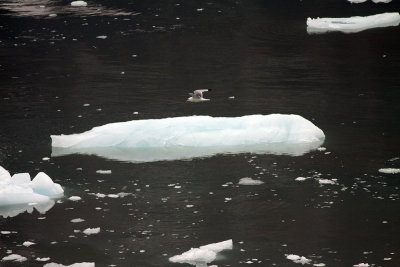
197,96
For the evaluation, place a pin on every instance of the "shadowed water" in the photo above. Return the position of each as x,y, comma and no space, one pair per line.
57,77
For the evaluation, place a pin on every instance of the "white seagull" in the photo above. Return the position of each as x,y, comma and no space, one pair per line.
197,96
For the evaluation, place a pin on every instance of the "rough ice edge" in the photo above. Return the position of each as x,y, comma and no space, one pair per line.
193,136
389,170
352,24
202,255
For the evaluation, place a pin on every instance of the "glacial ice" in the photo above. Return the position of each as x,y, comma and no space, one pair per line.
352,24
193,136
19,194
249,181
202,255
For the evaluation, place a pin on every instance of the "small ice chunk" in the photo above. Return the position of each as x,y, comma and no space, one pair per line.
389,170
298,259
78,3
91,231
203,255
326,181
300,179
249,181
42,259
46,158
28,244
104,171
77,220
319,264
101,37
75,198
321,148
231,97
357,1
381,1
14,257
113,196
361,265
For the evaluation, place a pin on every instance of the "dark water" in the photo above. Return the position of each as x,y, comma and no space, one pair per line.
154,54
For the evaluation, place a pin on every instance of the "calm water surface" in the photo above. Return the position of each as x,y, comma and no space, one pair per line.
154,54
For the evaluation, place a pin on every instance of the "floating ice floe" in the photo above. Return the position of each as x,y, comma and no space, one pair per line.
389,170
19,194
381,1
14,257
82,264
249,181
361,265
352,24
91,231
298,259
78,3
357,1
203,255
193,136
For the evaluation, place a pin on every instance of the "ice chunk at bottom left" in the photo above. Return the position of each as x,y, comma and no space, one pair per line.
19,190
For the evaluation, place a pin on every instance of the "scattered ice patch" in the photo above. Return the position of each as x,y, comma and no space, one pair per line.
389,170
193,136
249,181
101,37
327,181
28,243
42,259
298,259
91,231
104,171
14,257
202,255
352,24
77,220
75,198
78,3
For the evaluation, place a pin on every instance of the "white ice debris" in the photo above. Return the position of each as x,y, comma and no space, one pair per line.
28,243
104,171
352,24
78,3
75,198
327,181
361,265
298,259
19,189
77,220
389,170
381,1
81,264
14,257
249,181
300,179
101,37
193,136
202,255
42,259
91,231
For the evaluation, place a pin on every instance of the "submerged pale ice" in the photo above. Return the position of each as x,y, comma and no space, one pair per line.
352,24
193,136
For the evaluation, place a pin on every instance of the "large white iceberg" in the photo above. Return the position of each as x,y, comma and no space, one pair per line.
18,193
352,24
202,255
193,136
